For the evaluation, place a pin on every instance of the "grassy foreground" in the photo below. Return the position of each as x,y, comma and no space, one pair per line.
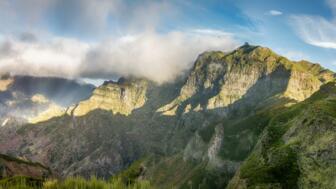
19,182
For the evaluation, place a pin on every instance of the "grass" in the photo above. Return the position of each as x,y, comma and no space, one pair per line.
20,182
282,169
241,135
275,164
130,175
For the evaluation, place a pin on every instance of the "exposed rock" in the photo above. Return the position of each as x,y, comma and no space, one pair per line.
5,83
10,167
119,97
219,80
206,127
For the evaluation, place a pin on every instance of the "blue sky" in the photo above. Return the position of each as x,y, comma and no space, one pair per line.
109,38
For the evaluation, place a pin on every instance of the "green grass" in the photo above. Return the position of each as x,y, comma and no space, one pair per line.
20,182
275,164
241,135
281,169
130,175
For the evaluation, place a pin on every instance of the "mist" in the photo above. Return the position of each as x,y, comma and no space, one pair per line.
158,57
120,40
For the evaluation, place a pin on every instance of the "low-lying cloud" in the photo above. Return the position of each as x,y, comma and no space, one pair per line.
56,57
156,56
101,39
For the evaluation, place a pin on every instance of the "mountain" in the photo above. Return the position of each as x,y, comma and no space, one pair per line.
33,99
10,167
121,97
236,119
297,148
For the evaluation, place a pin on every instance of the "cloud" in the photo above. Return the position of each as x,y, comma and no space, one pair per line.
159,57
332,4
56,57
275,13
317,30
16,14
135,47
156,56
84,18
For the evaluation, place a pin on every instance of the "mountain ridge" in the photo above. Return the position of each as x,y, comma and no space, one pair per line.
207,123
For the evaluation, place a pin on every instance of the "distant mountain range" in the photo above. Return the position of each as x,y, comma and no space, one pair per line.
243,119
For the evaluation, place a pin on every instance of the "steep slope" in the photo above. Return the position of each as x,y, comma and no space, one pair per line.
10,167
121,97
297,148
99,142
219,80
36,99
242,87
201,127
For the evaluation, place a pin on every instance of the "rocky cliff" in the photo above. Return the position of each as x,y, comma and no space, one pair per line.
219,80
121,97
10,167
202,126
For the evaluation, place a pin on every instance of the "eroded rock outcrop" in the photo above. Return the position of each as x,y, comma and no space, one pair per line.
119,97
219,79
10,167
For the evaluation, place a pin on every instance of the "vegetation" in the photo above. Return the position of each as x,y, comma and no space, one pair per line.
20,182
279,161
131,174
262,127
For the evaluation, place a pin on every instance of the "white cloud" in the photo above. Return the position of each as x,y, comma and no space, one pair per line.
83,17
317,30
275,13
159,57
56,57
210,32
136,48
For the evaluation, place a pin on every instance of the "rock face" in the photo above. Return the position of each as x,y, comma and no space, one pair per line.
119,97
10,167
202,126
219,80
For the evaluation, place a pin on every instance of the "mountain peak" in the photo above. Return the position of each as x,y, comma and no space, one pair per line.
219,80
